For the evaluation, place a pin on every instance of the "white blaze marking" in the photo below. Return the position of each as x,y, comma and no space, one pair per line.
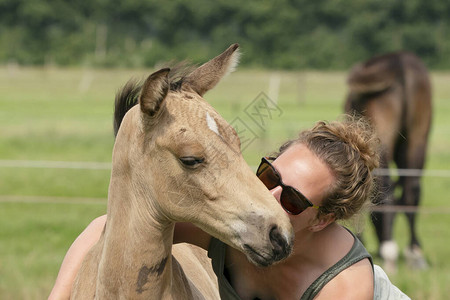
212,123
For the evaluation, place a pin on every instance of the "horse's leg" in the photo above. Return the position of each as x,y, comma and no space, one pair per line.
413,158
383,221
384,112
417,127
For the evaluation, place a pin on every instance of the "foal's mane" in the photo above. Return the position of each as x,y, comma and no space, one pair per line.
128,95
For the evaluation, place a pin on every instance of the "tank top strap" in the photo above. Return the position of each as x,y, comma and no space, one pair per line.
217,252
357,253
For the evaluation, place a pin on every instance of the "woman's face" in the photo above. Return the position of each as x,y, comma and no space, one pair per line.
303,170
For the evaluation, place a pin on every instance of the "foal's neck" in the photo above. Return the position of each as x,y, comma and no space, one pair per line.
136,244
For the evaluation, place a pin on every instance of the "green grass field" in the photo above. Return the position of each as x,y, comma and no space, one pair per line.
66,115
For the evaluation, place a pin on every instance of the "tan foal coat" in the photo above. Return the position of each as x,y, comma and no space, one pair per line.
176,159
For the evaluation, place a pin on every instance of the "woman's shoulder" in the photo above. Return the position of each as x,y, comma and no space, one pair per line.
351,276
355,282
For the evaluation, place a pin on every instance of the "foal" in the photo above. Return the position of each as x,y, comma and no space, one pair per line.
175,159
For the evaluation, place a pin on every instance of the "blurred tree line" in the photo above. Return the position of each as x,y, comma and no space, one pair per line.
287,34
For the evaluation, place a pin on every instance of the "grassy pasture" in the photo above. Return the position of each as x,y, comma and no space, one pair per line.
66,115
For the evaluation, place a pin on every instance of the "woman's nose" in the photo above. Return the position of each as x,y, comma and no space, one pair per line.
276,192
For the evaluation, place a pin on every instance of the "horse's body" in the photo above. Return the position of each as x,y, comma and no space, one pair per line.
176,159
394,92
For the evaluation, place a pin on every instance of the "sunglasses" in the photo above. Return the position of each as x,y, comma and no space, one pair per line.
291,199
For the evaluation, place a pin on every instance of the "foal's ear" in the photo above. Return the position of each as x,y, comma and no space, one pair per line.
209,74
154,91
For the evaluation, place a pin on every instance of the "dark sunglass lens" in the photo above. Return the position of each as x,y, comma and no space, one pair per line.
292,202
267,175
289,205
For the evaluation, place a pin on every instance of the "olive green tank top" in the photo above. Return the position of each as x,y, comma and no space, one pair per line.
217,251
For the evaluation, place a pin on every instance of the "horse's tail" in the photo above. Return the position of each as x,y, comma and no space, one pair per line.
126,98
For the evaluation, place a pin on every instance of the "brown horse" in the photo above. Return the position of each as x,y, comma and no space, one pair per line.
394,92
175,159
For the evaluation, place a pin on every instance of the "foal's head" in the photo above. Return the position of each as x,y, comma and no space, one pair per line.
185,164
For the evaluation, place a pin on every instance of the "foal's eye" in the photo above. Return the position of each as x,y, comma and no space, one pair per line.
191,161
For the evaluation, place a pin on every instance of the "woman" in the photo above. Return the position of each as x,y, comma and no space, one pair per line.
319,178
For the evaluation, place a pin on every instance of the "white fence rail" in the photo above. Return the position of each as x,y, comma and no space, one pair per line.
49,164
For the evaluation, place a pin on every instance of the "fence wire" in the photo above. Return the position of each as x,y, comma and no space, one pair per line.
45,164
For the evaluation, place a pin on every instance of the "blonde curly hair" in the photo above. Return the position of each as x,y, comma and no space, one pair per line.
350,149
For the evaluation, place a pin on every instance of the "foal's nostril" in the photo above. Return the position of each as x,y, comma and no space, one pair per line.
281,249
